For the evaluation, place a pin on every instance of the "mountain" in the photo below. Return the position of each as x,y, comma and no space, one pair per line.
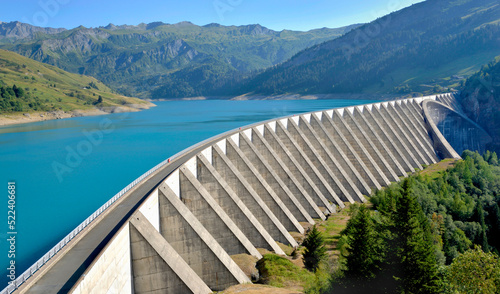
13,31
423,48
27,85
480,99
162,60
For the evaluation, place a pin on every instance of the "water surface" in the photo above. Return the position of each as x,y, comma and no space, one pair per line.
66,169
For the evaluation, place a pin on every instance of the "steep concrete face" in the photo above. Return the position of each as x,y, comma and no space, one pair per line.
260,186
212,217
250,197
195,244
281,178
233,206
157,268
268,180
249,188
112,270
297,165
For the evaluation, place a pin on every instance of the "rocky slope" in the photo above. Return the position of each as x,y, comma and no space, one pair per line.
13,31
480,98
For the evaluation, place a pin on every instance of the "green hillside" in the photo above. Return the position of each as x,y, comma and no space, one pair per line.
159,60
27,85
425,48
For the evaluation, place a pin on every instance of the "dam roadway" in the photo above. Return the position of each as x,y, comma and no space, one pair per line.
175,229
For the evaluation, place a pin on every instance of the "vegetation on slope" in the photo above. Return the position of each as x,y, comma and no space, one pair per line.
422,225
434,232
27,85
159,60
426,48
461,203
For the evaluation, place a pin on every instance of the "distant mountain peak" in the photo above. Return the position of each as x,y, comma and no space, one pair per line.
16,30
184,23
212,25
257,29
154,25
110,26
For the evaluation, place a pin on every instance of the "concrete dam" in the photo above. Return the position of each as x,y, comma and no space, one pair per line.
176,228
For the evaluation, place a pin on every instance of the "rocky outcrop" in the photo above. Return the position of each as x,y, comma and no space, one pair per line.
82,40
13,31
480,100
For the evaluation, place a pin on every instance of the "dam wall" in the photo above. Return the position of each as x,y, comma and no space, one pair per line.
180,227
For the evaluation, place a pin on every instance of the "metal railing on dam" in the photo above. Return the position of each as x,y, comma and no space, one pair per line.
176,227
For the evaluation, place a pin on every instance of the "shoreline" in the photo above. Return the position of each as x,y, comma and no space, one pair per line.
37,116
245,97
30,117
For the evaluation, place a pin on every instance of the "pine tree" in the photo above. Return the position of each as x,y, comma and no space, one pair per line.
362,259
413,245
487,156
363,252
315,249
494,231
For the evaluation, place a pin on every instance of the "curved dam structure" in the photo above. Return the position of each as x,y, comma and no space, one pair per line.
452,131
176,228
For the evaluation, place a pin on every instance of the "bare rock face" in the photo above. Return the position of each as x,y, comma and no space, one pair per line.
16,30
481,103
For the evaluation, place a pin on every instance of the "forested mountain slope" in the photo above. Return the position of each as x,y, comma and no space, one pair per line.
427,47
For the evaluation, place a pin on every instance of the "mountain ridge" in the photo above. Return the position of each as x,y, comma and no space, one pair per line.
162,60
413,50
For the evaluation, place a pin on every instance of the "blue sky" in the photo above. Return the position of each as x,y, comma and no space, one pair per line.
274,14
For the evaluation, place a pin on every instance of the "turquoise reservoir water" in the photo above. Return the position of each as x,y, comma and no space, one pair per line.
65,169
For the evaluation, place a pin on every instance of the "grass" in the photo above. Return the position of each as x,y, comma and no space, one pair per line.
423,80
286,248
331,229
436,169
278,271
246,263
258,289
71,91
289,273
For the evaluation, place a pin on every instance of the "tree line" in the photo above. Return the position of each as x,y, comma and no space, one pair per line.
16,99
429,233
